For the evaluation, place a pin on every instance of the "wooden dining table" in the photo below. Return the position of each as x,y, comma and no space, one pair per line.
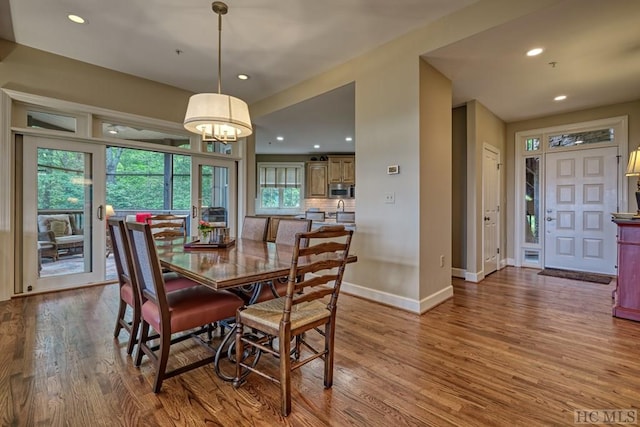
244,262
241,264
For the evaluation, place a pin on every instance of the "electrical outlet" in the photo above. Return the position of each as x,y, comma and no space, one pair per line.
389,197
441,260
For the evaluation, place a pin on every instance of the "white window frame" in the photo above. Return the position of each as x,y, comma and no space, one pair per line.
280,210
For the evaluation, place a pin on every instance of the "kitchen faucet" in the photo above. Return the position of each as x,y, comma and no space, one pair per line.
340,202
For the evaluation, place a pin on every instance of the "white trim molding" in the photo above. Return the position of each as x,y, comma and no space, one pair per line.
408,304
458,272
474,277
7,237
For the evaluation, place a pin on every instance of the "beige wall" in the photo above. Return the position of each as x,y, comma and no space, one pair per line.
483,127
435,182
630,109
40,73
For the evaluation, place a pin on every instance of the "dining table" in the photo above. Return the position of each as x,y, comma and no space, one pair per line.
238,264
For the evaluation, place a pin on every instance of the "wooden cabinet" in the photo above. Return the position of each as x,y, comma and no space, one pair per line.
342,169
272,228
316,180
627,293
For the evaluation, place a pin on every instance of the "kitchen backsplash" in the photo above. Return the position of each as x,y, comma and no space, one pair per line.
329,205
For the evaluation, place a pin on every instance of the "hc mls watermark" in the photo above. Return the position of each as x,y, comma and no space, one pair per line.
605,416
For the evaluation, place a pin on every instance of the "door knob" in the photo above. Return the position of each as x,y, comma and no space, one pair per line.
550,219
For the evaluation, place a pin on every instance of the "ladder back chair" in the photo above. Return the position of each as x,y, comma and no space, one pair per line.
168,226
296,313
285,235
129,295
168,313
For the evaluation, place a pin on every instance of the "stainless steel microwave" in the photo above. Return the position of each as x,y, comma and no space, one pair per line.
342,191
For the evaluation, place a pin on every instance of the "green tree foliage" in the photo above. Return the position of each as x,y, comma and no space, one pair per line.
135,179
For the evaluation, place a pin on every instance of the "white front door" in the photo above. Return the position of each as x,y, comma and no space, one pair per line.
63,219
581,192
490,208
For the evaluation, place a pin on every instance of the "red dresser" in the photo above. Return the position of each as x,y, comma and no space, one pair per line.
627,294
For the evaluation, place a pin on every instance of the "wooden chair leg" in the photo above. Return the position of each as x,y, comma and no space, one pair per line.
165,344
329,332
144,336
121,310
133,333
285,371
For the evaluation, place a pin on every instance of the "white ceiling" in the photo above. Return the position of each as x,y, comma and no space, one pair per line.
594,43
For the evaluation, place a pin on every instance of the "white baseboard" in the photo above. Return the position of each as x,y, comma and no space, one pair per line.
404,303
458,272
509,261
436,299
474,277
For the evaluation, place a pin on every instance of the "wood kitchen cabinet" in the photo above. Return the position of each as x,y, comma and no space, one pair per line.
316,180
627,293
272,229
342,169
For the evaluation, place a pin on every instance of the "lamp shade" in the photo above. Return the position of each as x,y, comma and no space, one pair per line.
219,117
633,168
109,211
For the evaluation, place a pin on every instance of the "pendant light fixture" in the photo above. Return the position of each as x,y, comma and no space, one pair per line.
215,116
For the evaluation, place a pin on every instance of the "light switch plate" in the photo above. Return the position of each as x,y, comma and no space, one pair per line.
389,197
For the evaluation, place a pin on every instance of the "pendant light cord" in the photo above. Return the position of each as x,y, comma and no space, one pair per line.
219,53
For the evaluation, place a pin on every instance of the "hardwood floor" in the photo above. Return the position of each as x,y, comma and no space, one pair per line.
516,349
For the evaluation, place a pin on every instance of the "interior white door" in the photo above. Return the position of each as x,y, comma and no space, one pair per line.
214,194
581,192
491,209
62,179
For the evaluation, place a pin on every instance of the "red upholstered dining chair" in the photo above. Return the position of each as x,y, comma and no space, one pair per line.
128,284
296,313
171,312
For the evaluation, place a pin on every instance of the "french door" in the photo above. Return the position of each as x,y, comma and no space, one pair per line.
63,218
214,193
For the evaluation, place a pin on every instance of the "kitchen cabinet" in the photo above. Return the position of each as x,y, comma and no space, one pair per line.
316,180
627,293
342,169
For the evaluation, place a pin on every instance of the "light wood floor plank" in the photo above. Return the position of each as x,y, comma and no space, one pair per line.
516,349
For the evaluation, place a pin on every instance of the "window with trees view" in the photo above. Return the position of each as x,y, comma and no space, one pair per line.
280,185
140,179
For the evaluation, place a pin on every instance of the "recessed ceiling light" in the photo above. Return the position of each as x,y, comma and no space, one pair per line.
280,138
243,77
113,132
560,98
535,52
316,146
348,139
75,18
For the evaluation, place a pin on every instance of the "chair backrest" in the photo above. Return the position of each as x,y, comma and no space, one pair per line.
121,254
146,265
329,257
288,228
314,215
168,226
255,227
